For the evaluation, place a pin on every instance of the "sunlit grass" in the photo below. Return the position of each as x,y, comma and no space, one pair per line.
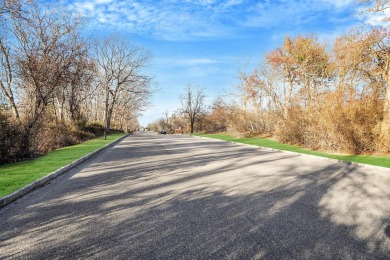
17,175
383,161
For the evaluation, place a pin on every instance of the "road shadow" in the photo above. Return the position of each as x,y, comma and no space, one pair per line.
223,202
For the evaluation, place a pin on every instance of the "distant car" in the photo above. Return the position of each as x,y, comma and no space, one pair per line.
163,132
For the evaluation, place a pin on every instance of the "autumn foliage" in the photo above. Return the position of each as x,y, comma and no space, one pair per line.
332,98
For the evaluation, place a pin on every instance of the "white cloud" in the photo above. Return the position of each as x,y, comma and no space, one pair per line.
232,3
178,20
84,7
340,3
380,18
169,19
103,1
292,13
185,62
197,61
202,71
206,2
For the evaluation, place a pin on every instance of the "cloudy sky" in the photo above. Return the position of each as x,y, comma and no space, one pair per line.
206,42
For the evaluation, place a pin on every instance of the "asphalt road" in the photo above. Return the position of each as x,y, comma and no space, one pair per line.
177,197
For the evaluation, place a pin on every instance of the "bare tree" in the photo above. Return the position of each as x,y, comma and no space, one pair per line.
192,104
121,73
377,6
6,81
12,7
47,47
10,10
305,64
79,87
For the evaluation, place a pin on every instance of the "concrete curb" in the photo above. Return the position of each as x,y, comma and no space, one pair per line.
369,166
42,181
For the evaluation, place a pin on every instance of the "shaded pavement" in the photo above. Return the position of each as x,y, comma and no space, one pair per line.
177,197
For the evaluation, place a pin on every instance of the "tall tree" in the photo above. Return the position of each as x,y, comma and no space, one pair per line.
192,104
79,87
306,65
121,68
6,81
47,47
10,10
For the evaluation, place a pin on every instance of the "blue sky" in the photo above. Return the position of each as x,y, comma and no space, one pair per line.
205,42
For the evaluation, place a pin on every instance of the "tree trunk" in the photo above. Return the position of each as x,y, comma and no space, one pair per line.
385,126
14,109
192,122
106,119
7,91
25,142
109,116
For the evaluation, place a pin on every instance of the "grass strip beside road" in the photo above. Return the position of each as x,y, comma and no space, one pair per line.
17,175
383,161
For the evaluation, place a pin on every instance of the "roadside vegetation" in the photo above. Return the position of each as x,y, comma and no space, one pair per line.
59,85
324,96
17,175
383,161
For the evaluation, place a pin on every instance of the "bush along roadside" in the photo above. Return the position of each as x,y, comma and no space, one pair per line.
19,143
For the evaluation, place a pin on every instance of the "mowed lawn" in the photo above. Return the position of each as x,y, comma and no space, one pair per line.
383,161
17,175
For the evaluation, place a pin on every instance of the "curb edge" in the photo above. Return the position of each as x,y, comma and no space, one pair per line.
302,154
42,181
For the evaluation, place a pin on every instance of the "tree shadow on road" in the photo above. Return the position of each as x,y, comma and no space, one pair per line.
219,204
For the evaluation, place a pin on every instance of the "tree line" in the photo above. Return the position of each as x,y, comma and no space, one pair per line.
332,97
59,86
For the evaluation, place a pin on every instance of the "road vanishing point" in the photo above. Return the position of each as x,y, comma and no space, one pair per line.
181,197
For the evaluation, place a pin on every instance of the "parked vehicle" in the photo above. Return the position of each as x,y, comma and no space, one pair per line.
163,132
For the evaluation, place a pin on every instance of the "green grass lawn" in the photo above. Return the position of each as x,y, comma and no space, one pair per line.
17,175
383,161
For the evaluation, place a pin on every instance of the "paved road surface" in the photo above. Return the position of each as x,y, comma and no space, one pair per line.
176,197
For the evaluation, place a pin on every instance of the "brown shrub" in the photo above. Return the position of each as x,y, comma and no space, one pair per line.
336,125
18,142
383,140
53,135
10,138
292,128
252,122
